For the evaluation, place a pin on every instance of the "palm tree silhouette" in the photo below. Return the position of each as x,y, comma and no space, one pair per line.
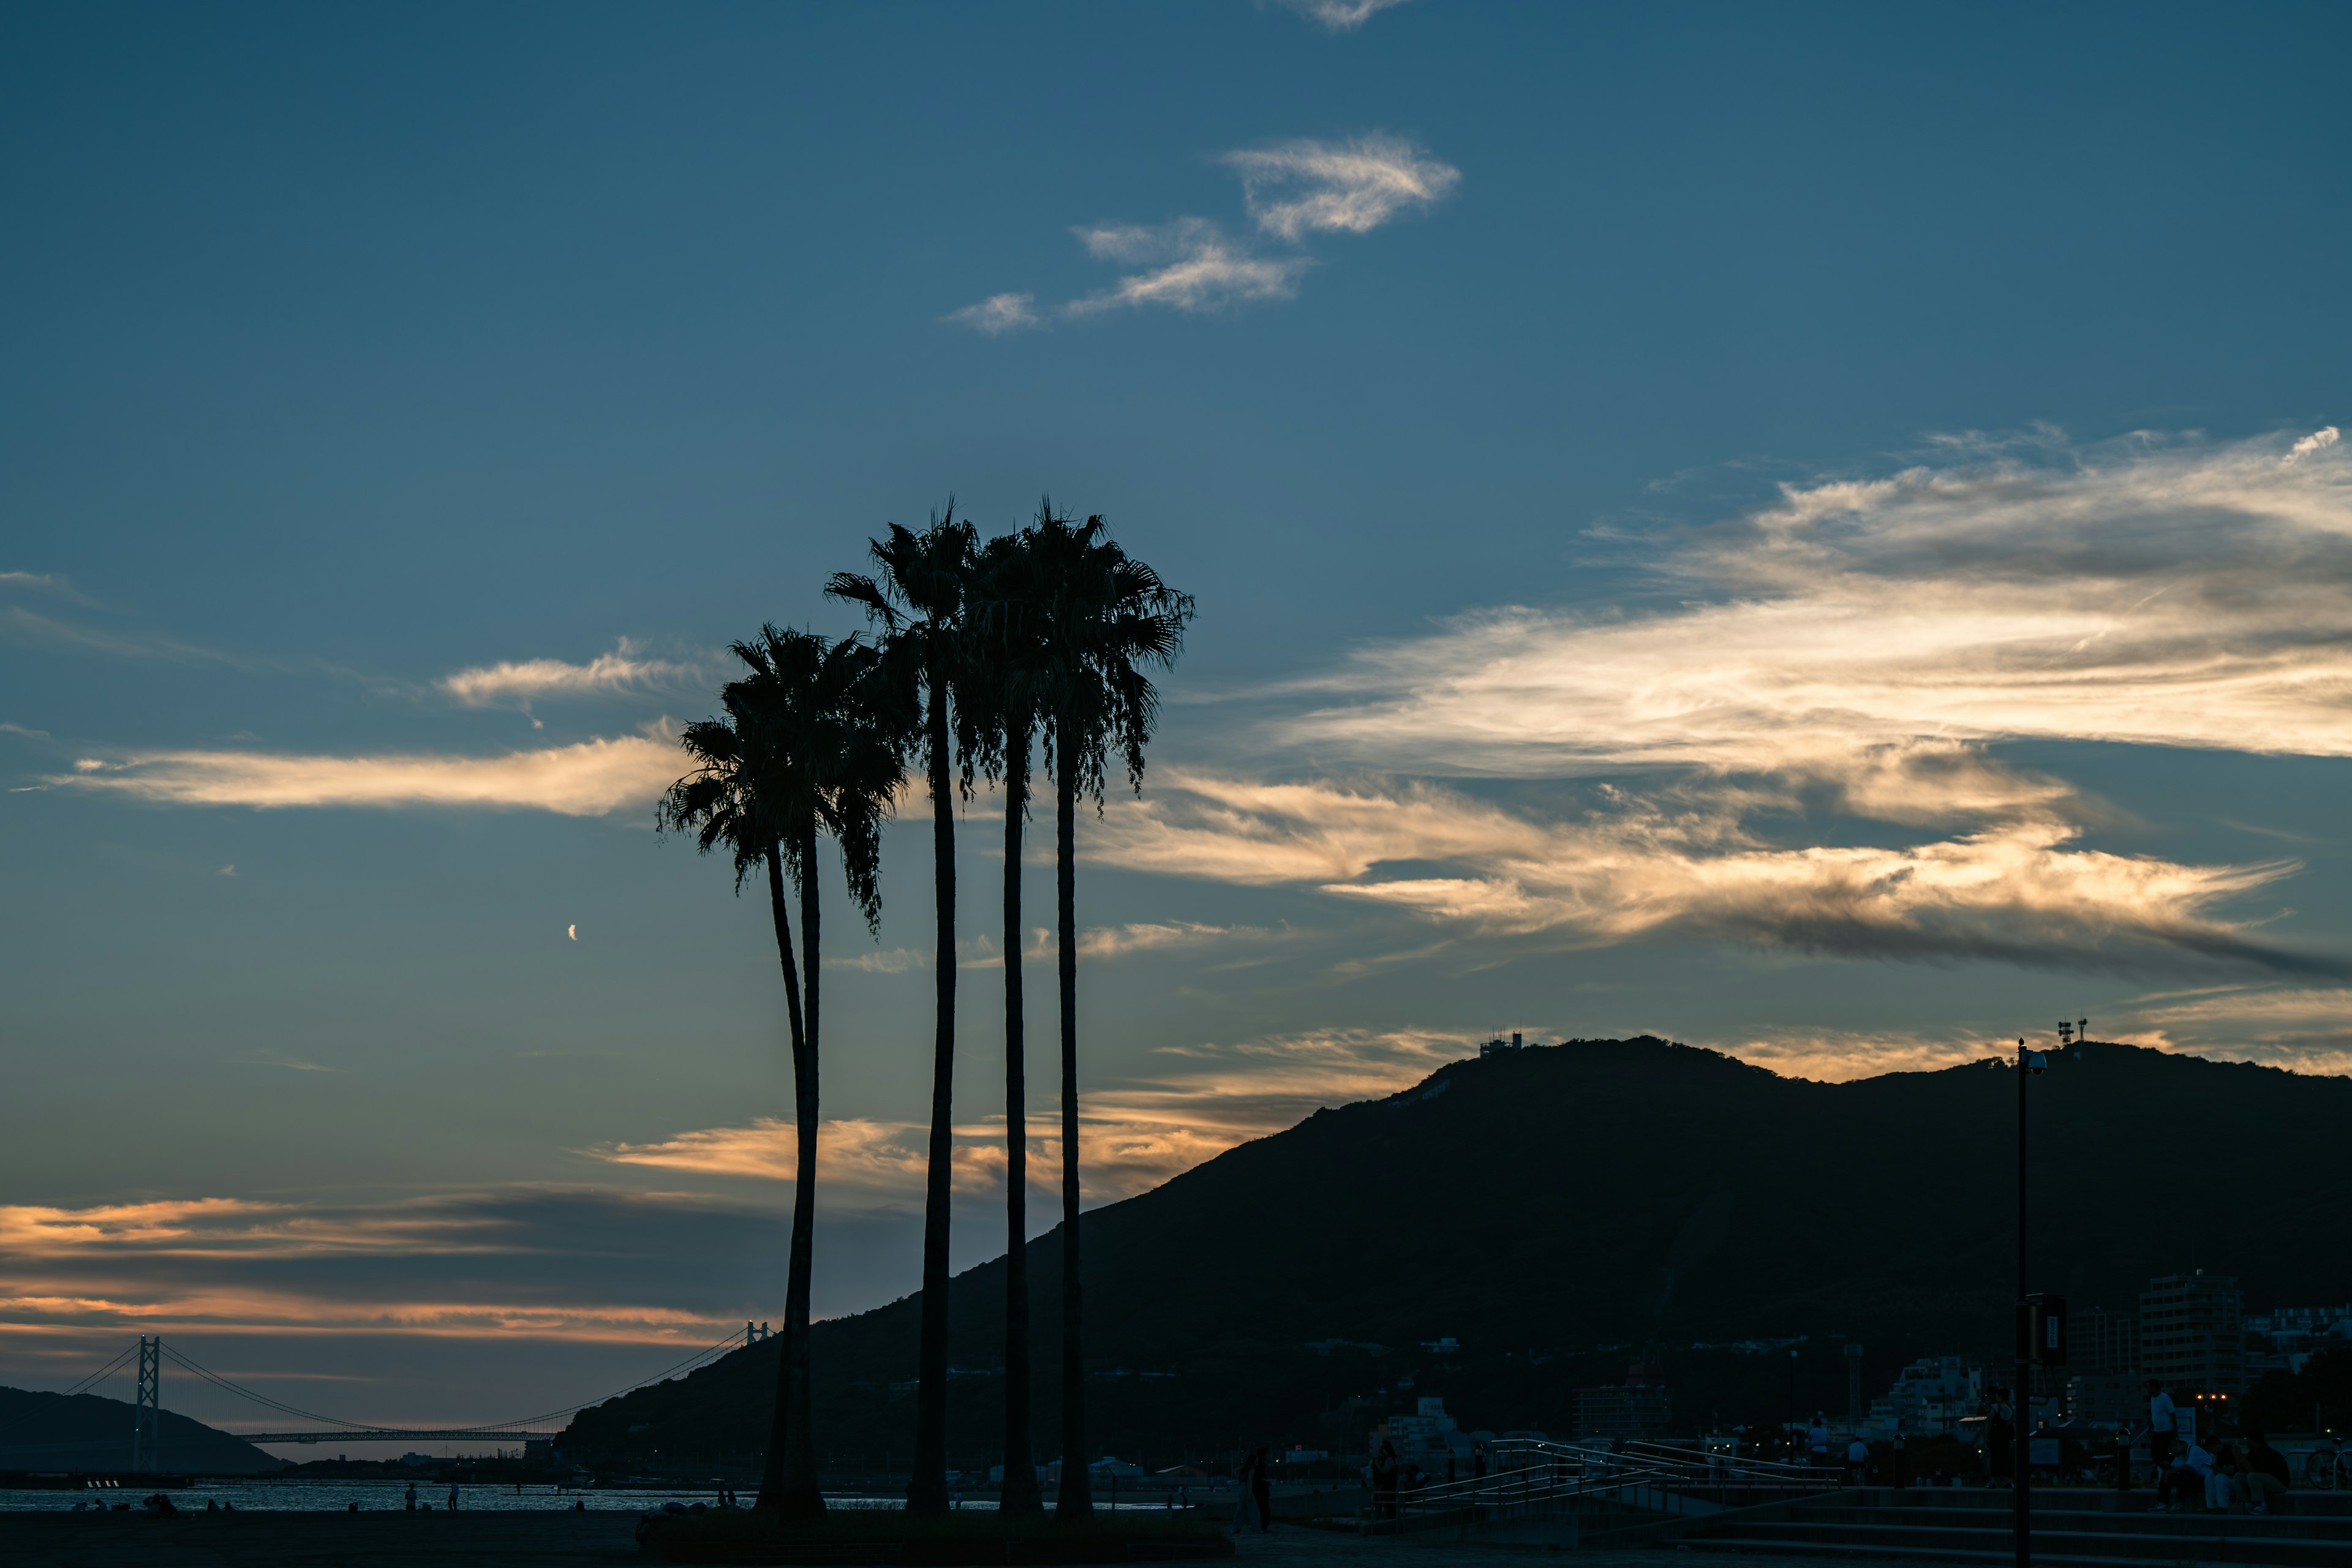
1001,715
919,598
1103,618
805,747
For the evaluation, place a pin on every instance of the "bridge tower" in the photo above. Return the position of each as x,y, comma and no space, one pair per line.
146,1435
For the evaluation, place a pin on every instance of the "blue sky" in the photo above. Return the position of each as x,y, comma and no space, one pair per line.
1814,531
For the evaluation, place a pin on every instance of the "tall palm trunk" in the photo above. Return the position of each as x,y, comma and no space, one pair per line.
1076,1496
802,1497
927,1490
1019,1490
776,1487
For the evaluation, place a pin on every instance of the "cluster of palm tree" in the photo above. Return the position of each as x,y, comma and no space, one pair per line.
1034,645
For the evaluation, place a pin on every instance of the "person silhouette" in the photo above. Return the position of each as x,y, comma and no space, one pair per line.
412,1496
1245,1488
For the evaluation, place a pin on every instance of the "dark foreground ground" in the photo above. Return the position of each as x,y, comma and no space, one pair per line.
381,1539
486,1540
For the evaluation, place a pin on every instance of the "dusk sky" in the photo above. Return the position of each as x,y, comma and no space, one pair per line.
1818,532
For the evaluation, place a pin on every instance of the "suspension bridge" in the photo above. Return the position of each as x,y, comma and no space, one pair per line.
150,1354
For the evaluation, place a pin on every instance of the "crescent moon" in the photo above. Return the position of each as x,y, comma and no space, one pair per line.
573,931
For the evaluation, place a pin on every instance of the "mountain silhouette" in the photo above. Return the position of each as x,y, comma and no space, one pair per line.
87,1432
1562,1212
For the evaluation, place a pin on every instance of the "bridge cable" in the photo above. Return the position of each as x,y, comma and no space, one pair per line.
701,1355
109,1367
490,1429
19,1424
219,1382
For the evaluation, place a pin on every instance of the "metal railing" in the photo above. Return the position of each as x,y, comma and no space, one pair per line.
1528,1479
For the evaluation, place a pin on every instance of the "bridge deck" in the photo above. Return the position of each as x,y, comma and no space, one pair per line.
398,1434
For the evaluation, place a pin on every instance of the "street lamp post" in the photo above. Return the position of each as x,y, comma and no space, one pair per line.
2021,1401
1792,1404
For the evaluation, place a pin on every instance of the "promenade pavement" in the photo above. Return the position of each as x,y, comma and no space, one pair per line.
490,1539
1295,1546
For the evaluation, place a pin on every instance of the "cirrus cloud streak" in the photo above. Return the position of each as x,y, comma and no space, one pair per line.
2150,592
521,682
1191,264
1851,651
1689,865
590,778
1135,1133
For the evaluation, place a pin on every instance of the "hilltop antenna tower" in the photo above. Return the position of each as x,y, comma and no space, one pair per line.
146,1445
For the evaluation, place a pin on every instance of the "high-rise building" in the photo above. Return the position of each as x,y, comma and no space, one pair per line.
1638,1407
2191,1333
2103,1341
1429,1441
2295,1328
1931,1396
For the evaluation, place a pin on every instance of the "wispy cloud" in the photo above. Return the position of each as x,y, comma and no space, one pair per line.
29,626
2307,1029
857,1159
1192,264
565,1262
292,1064
520,682
1211,1096
2304,1028
592,778
998,314
1110,941
2318,441
2180,594
40,583
1135,1133
1689,865
1094,941
1298,188
1850,649
1199,270
1841,1056
1340,16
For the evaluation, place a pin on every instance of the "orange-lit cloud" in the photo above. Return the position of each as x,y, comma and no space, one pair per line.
857,1159
518,1263
294,1314
1689,863
237,1227
2306,1028
588,779
2163,593
1849,652
1134,1133
1841,1056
